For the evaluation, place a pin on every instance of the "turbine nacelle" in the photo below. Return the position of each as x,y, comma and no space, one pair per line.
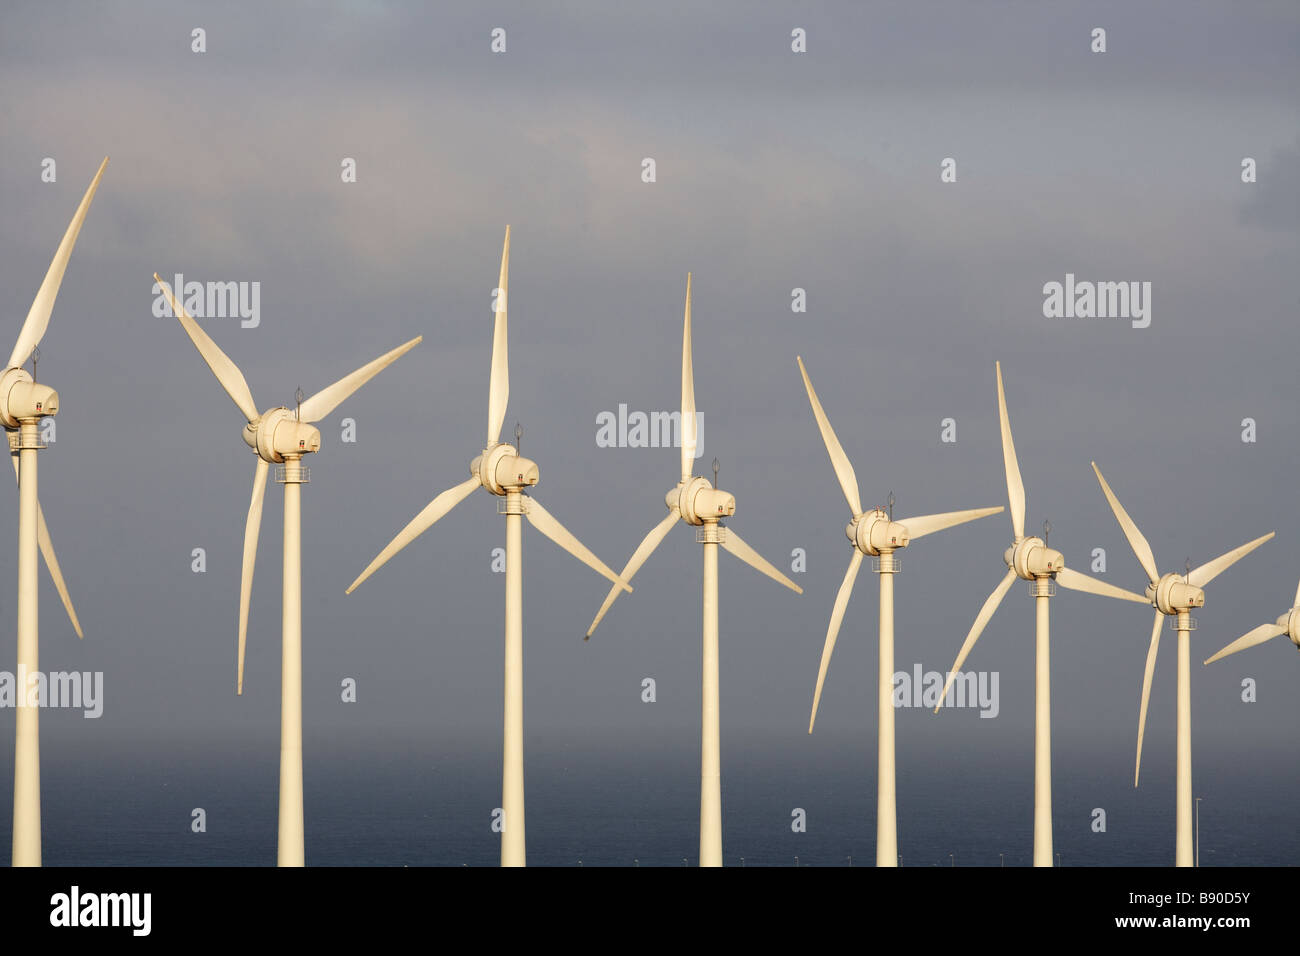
1172,594
872,532
501,469
698,501
21,398
278,434
1031,558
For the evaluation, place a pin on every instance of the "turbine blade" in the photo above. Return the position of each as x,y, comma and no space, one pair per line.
38,317
499,384
1296,601
545,522
1207,572
1135,539
226,371
421,523
639,557
52,562
1146,690
330,397
733,543
1015,485
833,630
56,573
689,437
839,461
1076,581
1259,635
922,525
252,528
981,621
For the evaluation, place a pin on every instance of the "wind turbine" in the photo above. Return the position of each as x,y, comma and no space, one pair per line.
1174,595
501,470
1288,626
24,404
280,436
875,533
701,503
1030,559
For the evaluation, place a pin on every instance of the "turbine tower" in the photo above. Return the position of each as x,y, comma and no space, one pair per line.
503,472
1030,559
1174,596
280,436
877,534
1288,625
24,404
701,503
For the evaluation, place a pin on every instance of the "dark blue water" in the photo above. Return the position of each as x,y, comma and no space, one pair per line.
409,805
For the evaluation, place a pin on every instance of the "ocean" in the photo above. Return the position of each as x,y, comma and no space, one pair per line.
407,805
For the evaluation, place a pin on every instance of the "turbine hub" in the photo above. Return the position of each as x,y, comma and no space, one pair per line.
21,398
1031,558
696,500
278,434
1291,621
873,533
501,469
1172,594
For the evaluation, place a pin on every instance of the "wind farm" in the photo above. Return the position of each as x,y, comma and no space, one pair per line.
904,198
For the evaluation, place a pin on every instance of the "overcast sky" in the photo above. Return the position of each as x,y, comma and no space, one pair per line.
775,170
